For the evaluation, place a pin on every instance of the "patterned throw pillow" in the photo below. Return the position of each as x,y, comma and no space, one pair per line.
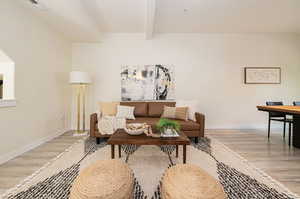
180,113
125,112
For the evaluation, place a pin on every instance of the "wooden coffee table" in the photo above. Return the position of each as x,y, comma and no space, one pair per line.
120,137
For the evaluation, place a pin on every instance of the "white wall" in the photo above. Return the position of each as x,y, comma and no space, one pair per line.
209,68
42,62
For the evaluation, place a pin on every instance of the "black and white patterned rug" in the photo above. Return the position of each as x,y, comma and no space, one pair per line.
238,178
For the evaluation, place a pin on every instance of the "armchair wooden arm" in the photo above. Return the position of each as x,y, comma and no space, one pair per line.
94,131
200,119
93,124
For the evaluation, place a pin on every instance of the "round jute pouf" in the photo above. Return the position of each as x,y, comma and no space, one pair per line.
190,182
105,179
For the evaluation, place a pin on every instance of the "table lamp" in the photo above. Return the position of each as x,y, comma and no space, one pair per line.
80,80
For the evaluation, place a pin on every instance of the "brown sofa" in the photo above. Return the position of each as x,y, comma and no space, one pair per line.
150,112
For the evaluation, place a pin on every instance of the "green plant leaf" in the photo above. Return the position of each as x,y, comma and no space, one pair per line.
165,123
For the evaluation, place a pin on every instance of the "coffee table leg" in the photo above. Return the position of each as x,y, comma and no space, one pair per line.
176,151
120,154
112,151
184,154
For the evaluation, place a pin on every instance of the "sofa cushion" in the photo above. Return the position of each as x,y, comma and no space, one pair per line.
148,120
185,125
140,108
188,125
155,109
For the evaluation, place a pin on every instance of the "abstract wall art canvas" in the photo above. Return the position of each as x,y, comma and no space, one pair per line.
148,82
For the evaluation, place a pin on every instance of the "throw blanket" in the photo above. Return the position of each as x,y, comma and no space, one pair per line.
109,124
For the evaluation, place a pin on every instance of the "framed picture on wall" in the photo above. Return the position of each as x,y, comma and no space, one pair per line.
262,75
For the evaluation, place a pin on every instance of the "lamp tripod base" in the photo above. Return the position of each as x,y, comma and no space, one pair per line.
81,94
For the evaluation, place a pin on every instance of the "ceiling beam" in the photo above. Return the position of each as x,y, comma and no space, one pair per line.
150,18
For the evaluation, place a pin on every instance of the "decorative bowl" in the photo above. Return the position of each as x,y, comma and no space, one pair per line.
135,128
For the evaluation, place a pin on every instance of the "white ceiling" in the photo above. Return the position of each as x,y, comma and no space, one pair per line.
228,16
86,20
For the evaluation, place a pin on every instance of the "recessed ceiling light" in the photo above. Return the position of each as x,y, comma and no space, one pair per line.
38,4
34,2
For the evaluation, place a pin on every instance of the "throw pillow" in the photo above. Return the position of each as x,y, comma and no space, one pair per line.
193,107
168,112
108,108
125,112
180,113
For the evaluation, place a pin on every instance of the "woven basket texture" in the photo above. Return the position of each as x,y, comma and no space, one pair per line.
185,181
105,179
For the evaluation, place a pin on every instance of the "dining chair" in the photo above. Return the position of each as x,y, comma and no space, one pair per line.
296,103
279,117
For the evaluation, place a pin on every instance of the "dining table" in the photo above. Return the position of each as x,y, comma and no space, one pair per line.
294,111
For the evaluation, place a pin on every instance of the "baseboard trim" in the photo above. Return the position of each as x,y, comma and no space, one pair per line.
255,127
8,103
29,147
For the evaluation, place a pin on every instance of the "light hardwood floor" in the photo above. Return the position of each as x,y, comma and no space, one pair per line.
17,169
273,156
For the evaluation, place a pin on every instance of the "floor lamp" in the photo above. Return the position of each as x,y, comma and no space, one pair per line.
80,80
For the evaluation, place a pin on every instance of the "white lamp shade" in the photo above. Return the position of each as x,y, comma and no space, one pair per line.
78,77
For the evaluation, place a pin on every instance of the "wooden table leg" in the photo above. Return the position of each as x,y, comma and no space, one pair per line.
184,154
296,131
112,151
120,153
176,151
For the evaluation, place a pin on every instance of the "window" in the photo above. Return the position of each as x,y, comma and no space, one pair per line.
1,86
7,81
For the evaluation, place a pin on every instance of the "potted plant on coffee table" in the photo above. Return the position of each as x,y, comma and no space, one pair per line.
168,127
